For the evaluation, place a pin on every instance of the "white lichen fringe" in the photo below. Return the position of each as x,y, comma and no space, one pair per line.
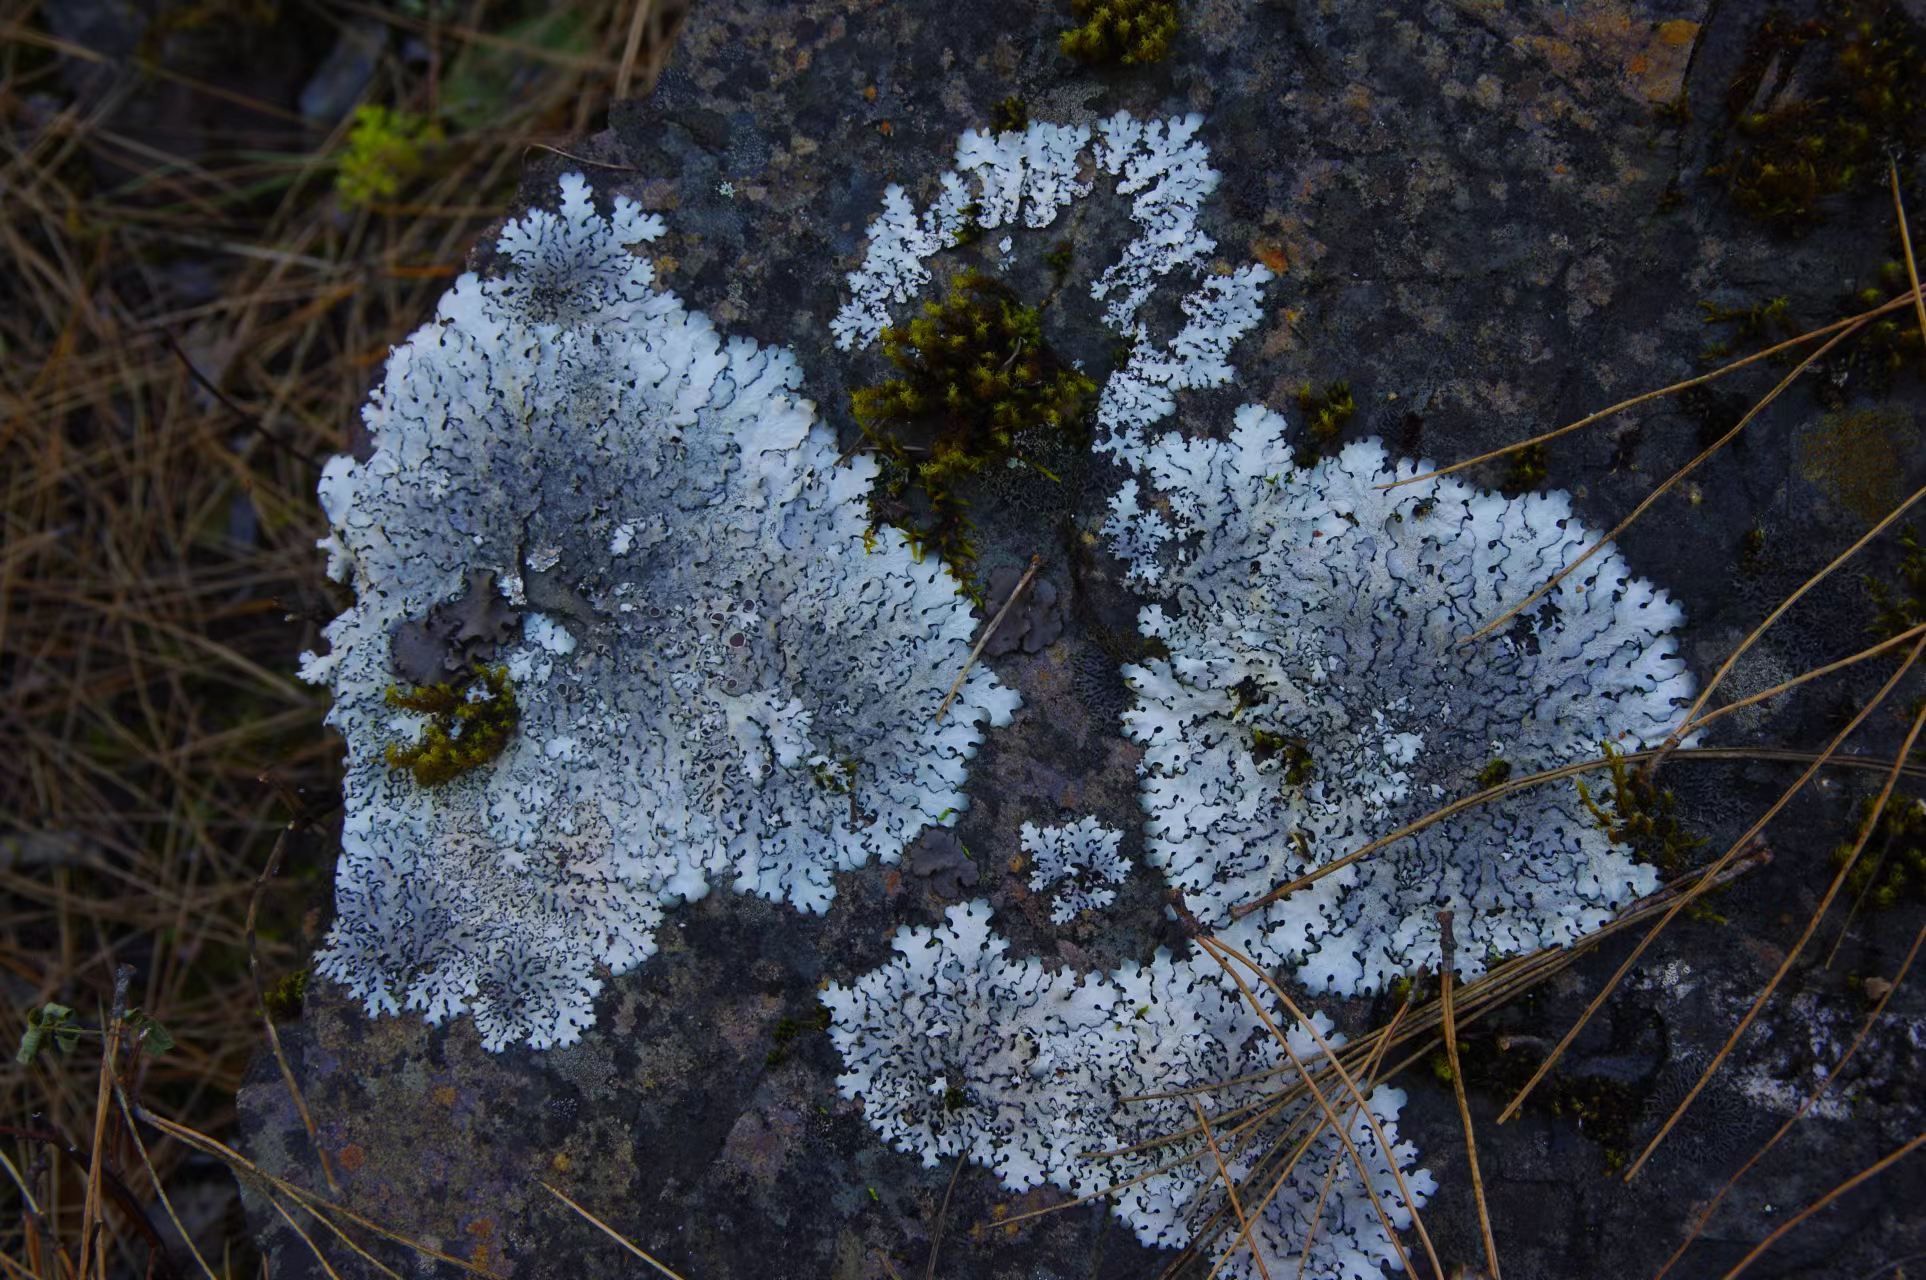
1032,175
716,679
1080,862
1315,620
955,1049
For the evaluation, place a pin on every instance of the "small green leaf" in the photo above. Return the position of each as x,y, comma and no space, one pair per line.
151,1032
50,1019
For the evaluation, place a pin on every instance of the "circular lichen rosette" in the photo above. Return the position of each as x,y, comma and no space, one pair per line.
1319,693
617,633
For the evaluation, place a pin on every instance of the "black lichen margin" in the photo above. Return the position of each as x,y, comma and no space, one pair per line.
463,732
974,383
1127,31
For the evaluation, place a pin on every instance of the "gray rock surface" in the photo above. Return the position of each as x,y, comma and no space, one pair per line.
1483,221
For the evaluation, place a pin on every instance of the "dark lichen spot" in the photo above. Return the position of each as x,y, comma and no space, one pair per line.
974,382
456,635
1495,773
1126,31
1859,459
788,1030
469,724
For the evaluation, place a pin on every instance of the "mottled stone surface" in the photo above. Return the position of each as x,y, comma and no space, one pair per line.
1468,209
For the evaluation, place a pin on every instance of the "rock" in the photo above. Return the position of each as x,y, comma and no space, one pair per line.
1481,220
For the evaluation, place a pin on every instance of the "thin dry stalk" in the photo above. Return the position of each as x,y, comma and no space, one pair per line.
1871,1171
1016,593
1230,1192
1646,397
1446,973
1665,486
1792,955
1818,1091
610,1232
1906,243
1724,859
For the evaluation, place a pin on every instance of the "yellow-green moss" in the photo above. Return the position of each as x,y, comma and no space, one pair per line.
1010,115
974,379
1635,811
283,999
385,150
1863,104
1891,869
463,732
1901,603
1127,31
1325,414
1524,471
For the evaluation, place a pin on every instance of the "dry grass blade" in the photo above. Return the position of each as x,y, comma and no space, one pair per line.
1230,1192
1666,486
1819,1091
1724,859
160,1189
1906,243
92,1216
1016,593
1793,953
267,1018
1694,718
1223,953
1871,1171
611,1232
1446,974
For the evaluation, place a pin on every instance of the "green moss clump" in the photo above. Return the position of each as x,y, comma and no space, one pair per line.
1900,605
464,732
385,150
1864,105
974,381
1752,545
1325,414
1761,319
1493,774
1127,31
1606,1110
1525,471
789,1029
954,1099
283,999
1636,811
1011,115
1299,768
1892,867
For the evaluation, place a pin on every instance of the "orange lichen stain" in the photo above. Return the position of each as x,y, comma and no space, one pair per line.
561,1163
1358,98
445,1095
1272,255
869,94
892,882
885,128
482,1228
1678,31
351,1157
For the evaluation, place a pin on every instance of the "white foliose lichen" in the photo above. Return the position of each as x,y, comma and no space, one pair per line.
955,1049
1030,176
1319,694
715,678
1079,863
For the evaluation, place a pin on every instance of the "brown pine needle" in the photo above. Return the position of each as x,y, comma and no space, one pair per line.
1818,1091
1016,593
1891,304
1686,899
1691,720
1665,486
1872,1171
1793,954
610,1232
1445,976
1906,243
1230,1190
1223,952
1753,699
